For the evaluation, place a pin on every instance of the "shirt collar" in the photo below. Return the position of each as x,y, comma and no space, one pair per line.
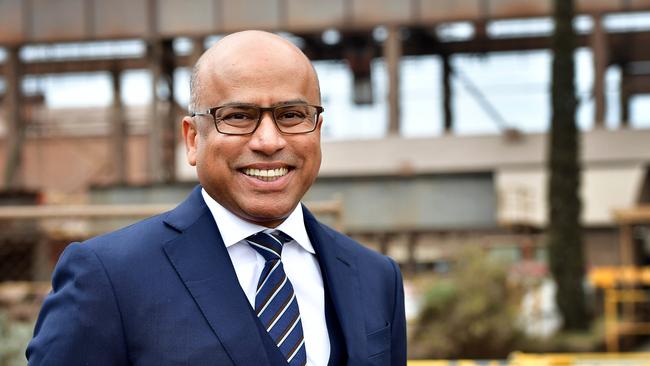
233,229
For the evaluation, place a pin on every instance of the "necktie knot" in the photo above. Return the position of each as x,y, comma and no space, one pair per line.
269,244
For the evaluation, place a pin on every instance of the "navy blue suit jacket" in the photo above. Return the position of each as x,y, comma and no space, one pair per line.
164,292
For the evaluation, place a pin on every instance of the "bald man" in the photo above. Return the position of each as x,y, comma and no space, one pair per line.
240,273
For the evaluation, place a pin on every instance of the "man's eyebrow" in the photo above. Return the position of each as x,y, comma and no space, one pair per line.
236,103
287,102
284,102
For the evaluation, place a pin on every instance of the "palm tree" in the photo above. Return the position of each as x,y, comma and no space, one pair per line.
565,250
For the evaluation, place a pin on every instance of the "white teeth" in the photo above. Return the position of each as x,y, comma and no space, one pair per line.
266,174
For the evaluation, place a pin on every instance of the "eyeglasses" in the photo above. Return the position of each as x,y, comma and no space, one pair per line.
243,119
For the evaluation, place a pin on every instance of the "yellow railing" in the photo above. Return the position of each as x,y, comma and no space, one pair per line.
621,287
457,363
549,359
581,359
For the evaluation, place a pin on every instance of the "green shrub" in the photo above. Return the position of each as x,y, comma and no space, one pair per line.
14,336
469,314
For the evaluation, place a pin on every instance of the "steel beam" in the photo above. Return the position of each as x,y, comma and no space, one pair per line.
392,56
358,50
638,84
624,47
170,134
600,51
631,84
155,160
119,156
447,94
15,124
33,21
162,113
625,101
40,212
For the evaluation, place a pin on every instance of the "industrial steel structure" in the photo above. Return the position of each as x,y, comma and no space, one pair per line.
410,29
416,199
494,183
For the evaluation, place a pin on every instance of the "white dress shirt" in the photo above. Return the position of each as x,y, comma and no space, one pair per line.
300,265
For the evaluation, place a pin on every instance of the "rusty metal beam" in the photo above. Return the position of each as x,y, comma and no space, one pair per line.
155,160
119,133
23,22
162,136
198,47
600,59
358,50
392,56
624,101
15,121
90,65
81,211
447,94
639,215
624,47
637,84
332,207
170,134
633,42
28,100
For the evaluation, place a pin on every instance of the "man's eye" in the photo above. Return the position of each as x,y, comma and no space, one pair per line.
292,115
237,116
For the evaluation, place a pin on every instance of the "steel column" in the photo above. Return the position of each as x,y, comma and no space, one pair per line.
154,54
170,134
447,94
392,55
162,133
600,50
625,95
15,123
118,128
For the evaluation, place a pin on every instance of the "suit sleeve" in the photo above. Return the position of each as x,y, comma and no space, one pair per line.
398,341
79,323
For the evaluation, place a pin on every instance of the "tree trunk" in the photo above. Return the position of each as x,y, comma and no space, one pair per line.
566,256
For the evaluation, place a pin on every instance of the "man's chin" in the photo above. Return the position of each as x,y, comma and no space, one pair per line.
268,218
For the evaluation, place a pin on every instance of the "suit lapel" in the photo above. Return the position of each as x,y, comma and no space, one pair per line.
340,273
201,260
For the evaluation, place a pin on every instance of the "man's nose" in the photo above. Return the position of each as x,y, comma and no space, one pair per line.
267,138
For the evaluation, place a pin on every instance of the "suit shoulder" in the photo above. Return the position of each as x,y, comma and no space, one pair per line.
155,228
139,236
364,254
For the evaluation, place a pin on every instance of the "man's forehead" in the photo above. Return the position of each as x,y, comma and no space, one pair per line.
251,70
251,58
250,45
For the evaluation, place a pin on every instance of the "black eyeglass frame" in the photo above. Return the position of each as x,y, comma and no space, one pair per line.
213,112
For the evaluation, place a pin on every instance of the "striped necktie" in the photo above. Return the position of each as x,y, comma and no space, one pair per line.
275,301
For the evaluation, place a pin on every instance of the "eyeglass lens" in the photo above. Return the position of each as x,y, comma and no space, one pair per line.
242,119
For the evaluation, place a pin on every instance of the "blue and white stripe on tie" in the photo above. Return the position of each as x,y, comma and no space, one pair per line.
275,300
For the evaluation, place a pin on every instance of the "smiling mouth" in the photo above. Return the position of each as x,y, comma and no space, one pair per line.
267,175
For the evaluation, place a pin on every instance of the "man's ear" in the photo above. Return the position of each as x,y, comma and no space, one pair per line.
191,138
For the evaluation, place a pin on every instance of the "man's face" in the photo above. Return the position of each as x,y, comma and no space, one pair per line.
232,168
